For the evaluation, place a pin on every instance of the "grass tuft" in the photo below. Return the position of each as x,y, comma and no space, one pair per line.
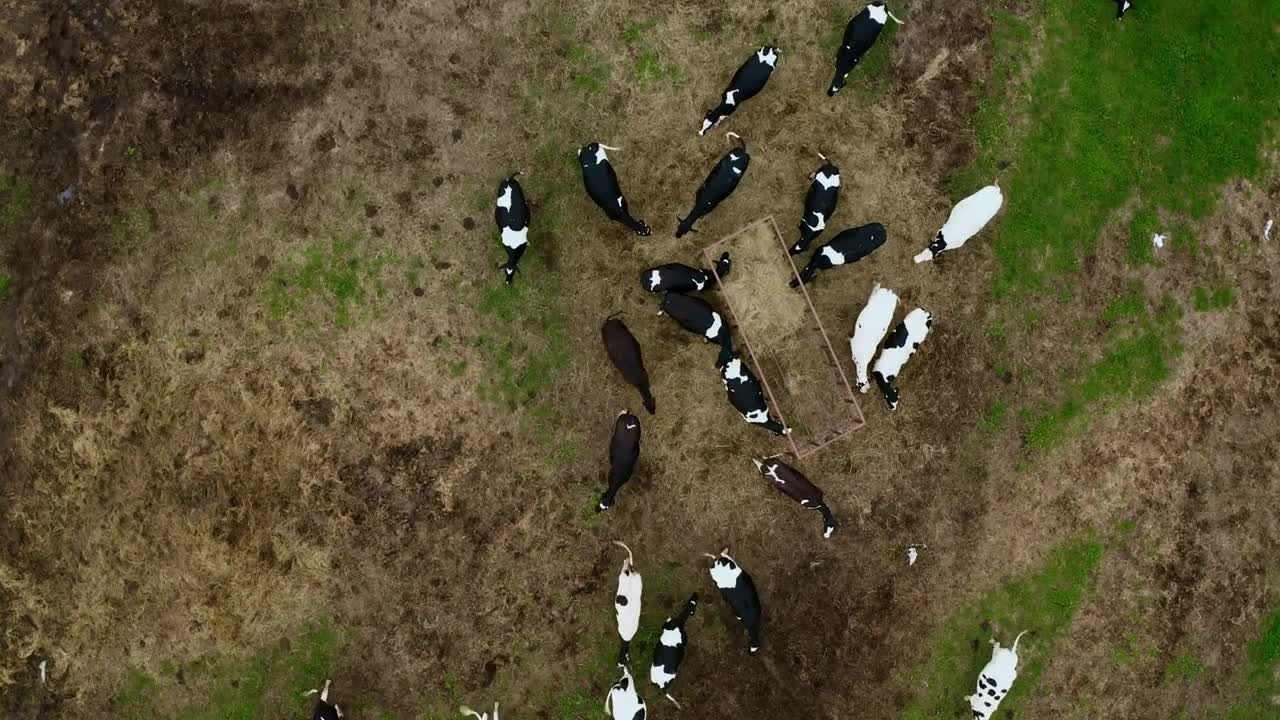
1261,674
340,274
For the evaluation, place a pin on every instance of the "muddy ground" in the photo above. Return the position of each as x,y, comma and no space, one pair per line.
199,462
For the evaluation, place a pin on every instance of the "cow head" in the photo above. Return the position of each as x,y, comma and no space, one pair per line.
723,264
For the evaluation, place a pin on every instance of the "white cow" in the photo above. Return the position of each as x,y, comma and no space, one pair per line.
995,679
967,218
626,603
898,349
873,322
623,702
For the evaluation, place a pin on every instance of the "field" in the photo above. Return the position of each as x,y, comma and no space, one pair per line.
268,413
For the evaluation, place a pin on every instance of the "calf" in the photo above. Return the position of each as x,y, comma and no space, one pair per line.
624,451
479,716
849,246
898,349
625,354
873,322
674,277
859,37
623,702
669,652
696,316
1122,7
626,604
602,185
718,186
745,393
967,218
323,710
995,679
511,213
746,84
796,486
739,590
819,204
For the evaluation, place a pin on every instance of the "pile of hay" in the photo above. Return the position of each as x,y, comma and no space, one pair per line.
758,285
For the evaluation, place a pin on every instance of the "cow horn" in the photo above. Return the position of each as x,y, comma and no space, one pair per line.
709,555
732,134
630,557
895,17
612,149
759,464
824,157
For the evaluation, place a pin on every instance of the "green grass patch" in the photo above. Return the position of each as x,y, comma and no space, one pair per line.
1173,102
267,685
648,63
590,74
1184,668
1261,674
1208,299
341,274
5,284
15,203
1043,603
995,417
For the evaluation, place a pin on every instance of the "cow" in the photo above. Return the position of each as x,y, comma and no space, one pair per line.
624,352
848,247
718,186
967,219
466,711
739,590
675,277
511,213
819,204
747,82
601,183
623,702
995,679
626,604
744,391
898,349
695,315
323,710
873,322
624,451
859,36
795,485
1122,7
669,652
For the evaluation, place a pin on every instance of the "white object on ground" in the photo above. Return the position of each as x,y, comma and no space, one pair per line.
913,552
1158,240
43,673
1266,231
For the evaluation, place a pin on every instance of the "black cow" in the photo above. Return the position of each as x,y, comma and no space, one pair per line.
697,316
796,486
1122,7
859,36
718,186
602,185
747,82
739,590
674,277
849,246
624,451
323,710
745,393
511,213
819,204
669,652
624,351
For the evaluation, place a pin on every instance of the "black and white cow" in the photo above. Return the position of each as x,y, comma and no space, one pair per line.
602,185
859,37
848,247
795,485
697,316
819,204
624,451
511,213
323,710
901,344
739,590
626,604
967,219
623,701
747,82
468,712
996,678
873,322
669,652
745,392
675,277
624,352
718,186
1122,7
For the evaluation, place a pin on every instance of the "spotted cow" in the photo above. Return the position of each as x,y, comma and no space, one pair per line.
901,344
995,679
747,82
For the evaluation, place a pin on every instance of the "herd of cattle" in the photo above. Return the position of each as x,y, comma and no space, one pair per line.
677,282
